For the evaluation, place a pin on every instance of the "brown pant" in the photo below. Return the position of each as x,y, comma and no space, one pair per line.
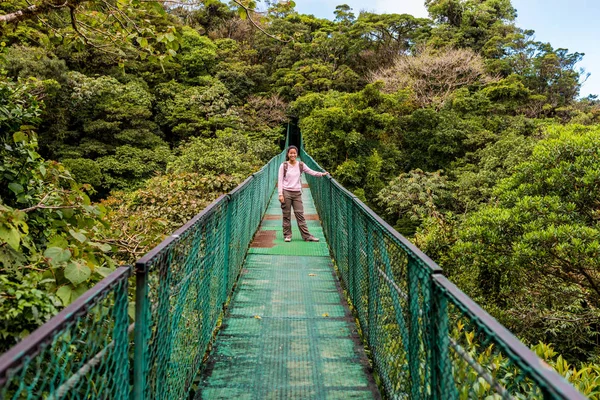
293,199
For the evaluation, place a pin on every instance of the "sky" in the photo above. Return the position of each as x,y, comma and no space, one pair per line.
571,24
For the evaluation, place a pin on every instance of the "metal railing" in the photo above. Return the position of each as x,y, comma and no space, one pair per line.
181,287
183,283
81,353
427,338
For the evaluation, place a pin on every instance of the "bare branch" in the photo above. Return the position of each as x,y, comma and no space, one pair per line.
88,41
434,75
74,25
124,15
248,13
41,205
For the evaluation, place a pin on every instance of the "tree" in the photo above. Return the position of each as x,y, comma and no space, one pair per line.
51,236
433,75
414,196
476,24
186,111
343,14
111,133
355,135
531,257
230,153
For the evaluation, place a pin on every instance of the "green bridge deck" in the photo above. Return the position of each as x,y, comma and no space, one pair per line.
288,333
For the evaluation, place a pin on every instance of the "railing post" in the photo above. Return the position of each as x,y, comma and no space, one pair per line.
373,290
442,381
227,244
350,249
332,213
413,332
121,340
142,311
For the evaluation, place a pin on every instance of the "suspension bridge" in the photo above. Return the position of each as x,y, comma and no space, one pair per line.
225,309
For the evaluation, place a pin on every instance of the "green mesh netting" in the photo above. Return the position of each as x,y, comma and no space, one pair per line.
426,338
82,353
184,282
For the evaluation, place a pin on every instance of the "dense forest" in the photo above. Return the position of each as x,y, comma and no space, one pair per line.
121,119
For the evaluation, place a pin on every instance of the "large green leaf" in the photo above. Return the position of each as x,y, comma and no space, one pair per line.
58,241
77,273
105,247
77,235
56,255
15,187
64,294
10,235
103,271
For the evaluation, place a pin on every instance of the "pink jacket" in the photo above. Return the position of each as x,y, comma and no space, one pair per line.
292,181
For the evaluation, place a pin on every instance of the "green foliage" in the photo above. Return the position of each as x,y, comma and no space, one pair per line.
586,378
435,139
414,196
538,245
25,62
110,143
198,55
18,105
50,233
195,110
126,29
230,153
129,167
480,25
25,305
476,179
312,76
141,219
84,170
353,136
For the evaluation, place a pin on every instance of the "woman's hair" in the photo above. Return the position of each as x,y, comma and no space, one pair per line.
287,158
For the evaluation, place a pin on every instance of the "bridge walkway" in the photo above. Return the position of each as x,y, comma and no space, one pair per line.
288,333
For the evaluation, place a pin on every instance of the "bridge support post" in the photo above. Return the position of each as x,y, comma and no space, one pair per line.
227,245
442,380
120,340
413,332
142,312
373,291
350,230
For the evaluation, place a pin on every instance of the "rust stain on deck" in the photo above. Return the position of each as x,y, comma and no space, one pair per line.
275,217
264,239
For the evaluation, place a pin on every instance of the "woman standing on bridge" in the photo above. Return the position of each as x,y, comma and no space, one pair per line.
289,187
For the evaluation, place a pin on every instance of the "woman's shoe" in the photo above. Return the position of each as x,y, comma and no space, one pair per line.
311,239
288,239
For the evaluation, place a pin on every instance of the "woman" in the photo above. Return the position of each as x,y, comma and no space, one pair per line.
290,194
